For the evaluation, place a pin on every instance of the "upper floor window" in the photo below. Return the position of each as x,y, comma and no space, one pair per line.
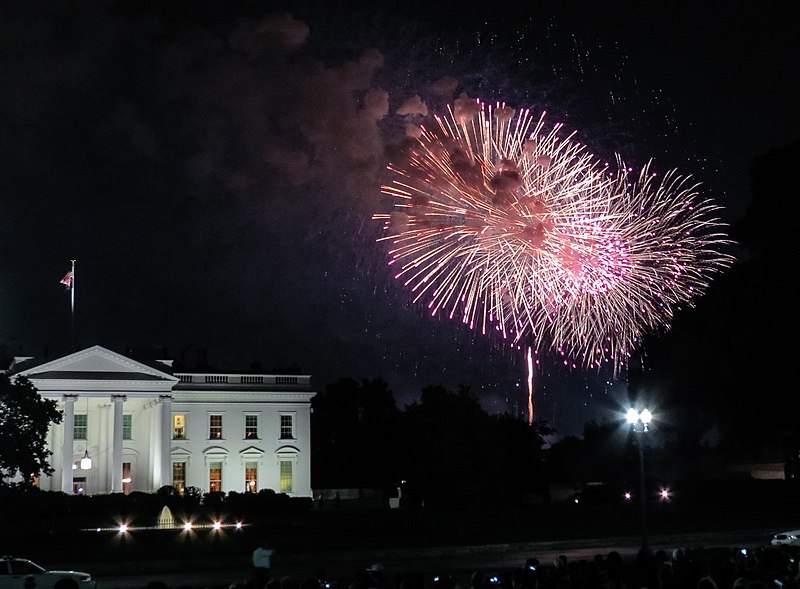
215,427
287,426
127,427
251,427
80,426
178,427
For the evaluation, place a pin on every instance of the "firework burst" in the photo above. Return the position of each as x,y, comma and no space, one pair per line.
511,226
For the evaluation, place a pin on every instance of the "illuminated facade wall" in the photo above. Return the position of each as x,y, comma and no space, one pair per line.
144,426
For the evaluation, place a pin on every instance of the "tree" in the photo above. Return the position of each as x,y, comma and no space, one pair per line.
355,418
729,359
25,418
457,456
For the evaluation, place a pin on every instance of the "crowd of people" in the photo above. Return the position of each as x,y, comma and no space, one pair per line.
697,568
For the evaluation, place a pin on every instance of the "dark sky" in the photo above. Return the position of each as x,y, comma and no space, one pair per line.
213,167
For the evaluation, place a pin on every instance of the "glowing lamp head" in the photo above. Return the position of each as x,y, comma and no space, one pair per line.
238,525
123,528
187,526
86,461
634,417
217,526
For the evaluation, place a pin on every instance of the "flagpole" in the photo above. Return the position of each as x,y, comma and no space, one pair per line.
72,306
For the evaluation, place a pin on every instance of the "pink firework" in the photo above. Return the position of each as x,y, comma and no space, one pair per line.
508,226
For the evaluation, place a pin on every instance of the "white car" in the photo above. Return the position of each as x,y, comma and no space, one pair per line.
21,573
790,538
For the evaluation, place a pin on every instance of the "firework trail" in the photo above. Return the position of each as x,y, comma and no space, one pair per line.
510,226
530,386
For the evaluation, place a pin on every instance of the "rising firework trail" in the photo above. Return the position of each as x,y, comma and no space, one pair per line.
530,385
512,226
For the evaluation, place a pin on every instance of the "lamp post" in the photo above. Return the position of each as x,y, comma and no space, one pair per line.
640,423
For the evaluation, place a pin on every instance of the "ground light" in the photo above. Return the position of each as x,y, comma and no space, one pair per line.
188,526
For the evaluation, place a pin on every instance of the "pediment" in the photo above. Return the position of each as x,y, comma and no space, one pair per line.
287,451
180,453
251,452
95,360
96,365
215,452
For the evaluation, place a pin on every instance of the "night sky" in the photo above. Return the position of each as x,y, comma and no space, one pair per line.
213,167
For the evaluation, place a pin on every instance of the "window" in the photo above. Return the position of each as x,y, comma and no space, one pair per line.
127,481
287,426
251,477
23,567
127,427
178,427
179,476
215,476
286,476
80,426
79,485
251,427
215,427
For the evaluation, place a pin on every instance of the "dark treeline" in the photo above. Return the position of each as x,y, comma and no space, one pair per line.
443,450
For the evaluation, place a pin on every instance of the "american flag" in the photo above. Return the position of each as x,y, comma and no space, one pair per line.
67,280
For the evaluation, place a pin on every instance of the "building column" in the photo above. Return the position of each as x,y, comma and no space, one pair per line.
66,447
116,447
162,473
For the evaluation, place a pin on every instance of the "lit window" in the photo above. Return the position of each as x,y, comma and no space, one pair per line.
287,426
79,485
251,477
80,426
215,427
127,427
286,476
127,481
178,427
179,476
251,427
215,477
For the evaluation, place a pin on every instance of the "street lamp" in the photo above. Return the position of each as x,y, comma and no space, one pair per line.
640,423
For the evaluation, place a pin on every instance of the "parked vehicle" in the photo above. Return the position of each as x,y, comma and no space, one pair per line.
790,538
21,573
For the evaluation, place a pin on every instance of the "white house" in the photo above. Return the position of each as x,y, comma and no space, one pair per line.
136,426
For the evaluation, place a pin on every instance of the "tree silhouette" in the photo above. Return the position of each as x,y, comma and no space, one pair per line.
728,361
354,435
25,418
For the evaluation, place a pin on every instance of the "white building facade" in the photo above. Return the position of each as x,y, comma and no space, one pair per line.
134,426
